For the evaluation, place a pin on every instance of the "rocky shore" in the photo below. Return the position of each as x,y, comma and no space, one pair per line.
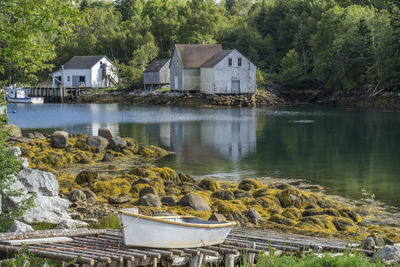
167,98
100,174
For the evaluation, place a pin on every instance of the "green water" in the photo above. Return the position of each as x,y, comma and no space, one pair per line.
342,150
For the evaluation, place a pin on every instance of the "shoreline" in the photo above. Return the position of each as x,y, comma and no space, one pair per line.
129,178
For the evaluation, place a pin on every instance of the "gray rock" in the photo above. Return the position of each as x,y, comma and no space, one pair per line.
86,177
118,200
117,143
18,226
151,200
13,130
35,135
48,209
59,139
168,200
12,201
91,197
100,143
76,195
239,194
14,151
24,163
37,181
217,217
194,201
252,214
71,224
379,241
147,190
388,254
108,157
368,243
106,133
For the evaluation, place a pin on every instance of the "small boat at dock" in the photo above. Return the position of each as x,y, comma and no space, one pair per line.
20,95
171,231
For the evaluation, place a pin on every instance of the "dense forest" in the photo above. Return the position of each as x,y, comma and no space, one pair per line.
337,45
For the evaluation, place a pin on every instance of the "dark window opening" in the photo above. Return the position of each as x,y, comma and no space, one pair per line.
229,62
68,78
239,62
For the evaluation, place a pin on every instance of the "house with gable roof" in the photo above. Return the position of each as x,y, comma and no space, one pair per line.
211,70
156,74
87,71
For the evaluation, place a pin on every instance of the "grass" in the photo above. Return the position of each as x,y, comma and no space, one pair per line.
314,261
110,221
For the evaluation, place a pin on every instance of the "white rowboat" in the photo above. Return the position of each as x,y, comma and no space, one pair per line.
171,231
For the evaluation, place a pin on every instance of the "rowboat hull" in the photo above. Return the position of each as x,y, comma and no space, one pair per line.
172,232
30,100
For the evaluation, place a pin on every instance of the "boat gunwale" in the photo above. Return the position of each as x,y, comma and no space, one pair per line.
161,219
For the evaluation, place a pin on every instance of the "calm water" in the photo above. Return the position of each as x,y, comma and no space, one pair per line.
342,150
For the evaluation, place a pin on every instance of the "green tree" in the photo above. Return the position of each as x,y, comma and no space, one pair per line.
291,71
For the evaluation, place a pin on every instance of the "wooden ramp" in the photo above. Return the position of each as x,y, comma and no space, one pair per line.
102,247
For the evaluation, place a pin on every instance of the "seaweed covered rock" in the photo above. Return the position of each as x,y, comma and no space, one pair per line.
108,157
350,213
168,200
249,184
209,184
151,200
99,143
223,195
292,213
86,178
252,214
105,133
241,194
277,218
76,195
293,198
59,139
344,224
147,190
152,152
194,201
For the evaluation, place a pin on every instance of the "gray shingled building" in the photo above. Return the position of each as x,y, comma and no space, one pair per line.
211,70
156,75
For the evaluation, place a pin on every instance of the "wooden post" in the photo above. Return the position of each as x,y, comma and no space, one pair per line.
230,260
196,260
62,84
251,256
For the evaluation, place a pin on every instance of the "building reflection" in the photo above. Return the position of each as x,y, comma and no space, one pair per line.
232,139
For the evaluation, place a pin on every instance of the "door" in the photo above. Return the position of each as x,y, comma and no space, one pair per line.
235,86
176,83
75,81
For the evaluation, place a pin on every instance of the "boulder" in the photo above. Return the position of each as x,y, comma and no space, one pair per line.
217,217
223,195
240,194
209,184
13,130
24,163
147,190
59,139
12,201
108,157
168,200
35,135
151,200
76,195
91,197
252,214
100,143
388,254
368,243
117,143
71,224
248,184
17,226
86,178
14,151
118,200
47,209
194,201
38,181
105,133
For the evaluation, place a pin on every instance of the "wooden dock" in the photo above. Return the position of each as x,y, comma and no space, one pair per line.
56,94
105,248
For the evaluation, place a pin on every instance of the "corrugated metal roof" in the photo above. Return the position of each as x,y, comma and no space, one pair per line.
216,58
82,62
194,55
156,65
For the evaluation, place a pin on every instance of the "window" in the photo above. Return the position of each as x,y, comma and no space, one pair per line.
229,62
239,62
68,78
